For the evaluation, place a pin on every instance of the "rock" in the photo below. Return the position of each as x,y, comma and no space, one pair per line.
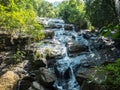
36,64
25,83
88,79
62,69
21,68
117,43
37,86
54,23
51,51
8,81
8,41
45,77
69,27
49,34
92,86
47,52
75,48
81,78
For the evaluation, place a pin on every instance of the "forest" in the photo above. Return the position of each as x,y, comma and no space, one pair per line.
67,45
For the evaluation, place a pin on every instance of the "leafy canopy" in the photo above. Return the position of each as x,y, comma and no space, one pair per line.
19,16
72,11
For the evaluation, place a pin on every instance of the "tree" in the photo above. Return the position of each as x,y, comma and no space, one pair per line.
101,12
72,11
18,16
44,8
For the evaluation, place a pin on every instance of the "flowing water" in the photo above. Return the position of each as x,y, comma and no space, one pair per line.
65,68
65,76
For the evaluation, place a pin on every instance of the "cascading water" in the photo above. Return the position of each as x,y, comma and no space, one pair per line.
65,76
87,49
62,68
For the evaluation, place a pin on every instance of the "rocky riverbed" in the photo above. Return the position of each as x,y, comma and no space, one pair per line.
63,60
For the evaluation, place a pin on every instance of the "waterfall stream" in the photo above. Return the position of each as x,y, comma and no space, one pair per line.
71,51
65,76
64,68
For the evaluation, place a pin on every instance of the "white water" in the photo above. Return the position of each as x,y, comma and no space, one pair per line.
64,65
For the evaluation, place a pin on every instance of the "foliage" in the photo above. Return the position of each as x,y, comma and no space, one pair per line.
72,11
18,16
114,75
111,30
36,56
44,8
112,72
101,12
19,55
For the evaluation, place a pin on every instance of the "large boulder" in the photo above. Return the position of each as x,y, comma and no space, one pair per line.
25,83
88,79
69,27
45,77
75,48
8,81
92,86
46,51
51,49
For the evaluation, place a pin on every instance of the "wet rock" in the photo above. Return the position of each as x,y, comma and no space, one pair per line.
62,69
54,23
69,27
8,81
45,77
65,77
75,48
49,34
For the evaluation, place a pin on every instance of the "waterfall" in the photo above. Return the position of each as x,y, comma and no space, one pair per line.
117,5
64,72
73,53
65,77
